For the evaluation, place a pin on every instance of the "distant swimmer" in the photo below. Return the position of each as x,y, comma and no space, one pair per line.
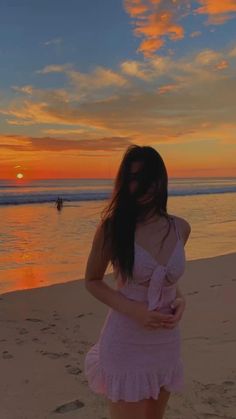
59,203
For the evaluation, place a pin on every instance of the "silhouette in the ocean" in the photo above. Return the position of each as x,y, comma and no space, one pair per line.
59,203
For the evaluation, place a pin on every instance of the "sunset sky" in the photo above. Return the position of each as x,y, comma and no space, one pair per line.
80,80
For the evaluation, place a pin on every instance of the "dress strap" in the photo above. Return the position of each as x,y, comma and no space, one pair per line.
176,228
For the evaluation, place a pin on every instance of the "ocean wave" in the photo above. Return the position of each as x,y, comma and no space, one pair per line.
37,198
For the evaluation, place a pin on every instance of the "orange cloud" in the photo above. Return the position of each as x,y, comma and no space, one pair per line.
135,7
207,57
83,85
100,78
29,113
155,19
217,7
167,88
158,25
24,143
218,11
135,69
148,46
47,157
222,65
164,97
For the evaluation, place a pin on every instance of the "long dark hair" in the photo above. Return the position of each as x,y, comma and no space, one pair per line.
123,211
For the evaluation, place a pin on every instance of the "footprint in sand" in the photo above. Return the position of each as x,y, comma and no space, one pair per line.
33,320
73,370
54,355
204,409
228,383
192,293
6,355
215,285
48,327
217,400
19,341
56,316
68,407
23,331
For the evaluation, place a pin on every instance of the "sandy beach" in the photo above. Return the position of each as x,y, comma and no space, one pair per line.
46,332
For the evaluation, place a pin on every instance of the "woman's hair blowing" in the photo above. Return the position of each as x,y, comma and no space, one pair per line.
123,211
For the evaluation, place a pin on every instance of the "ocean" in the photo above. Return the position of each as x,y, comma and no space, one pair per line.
40,245
76,190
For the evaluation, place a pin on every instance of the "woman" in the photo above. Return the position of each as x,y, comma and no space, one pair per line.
136,362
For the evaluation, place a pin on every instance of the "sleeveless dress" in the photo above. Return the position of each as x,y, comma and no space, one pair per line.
129,362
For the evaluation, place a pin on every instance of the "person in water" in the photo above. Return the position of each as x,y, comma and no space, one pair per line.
59,203
136,362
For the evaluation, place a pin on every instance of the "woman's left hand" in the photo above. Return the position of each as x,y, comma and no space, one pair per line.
178,307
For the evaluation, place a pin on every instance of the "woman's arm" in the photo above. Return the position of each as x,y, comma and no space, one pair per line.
178,306
179,294
97,263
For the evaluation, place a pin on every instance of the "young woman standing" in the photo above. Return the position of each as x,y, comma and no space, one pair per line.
136,362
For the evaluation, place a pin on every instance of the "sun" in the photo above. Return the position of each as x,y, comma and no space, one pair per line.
19,175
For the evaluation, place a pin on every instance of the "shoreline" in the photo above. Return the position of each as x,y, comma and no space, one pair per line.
109,275
44,246
47,331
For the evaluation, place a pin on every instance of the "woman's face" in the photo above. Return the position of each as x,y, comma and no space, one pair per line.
135,168
133,182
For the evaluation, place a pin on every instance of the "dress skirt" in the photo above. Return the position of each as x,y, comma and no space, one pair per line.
131,363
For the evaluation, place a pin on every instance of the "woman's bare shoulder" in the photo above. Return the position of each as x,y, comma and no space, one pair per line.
183,226
183,222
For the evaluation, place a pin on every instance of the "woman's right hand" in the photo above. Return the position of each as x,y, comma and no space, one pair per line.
149,319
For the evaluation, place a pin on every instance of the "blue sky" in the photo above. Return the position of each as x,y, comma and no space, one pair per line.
76,31
34,33
92,77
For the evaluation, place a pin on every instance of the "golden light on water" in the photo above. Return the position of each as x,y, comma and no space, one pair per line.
19,175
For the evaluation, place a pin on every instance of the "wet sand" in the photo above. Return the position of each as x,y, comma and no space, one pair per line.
46,332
